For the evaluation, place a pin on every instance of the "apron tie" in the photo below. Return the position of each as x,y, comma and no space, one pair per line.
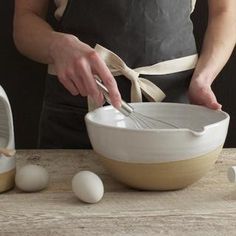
139,85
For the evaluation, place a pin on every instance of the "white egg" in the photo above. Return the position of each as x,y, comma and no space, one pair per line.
31,178
87,186
232,174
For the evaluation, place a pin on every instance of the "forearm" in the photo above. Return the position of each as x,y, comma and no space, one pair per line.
219,42
34,37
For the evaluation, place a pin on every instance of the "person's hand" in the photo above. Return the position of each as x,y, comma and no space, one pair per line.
200,93
76,63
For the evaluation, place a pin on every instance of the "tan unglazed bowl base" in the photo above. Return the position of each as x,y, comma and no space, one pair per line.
161,176
7,180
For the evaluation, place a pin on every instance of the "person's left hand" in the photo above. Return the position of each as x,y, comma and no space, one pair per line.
200,93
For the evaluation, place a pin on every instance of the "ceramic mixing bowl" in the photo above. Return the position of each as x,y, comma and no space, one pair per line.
7,142
162,158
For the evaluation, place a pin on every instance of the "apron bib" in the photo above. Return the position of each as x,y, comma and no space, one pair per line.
142,33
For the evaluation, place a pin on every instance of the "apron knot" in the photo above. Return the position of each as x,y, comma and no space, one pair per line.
133,76
139,85
130,74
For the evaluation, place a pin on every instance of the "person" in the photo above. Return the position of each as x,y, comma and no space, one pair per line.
154,35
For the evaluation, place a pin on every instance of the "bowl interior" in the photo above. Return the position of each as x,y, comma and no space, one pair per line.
183,116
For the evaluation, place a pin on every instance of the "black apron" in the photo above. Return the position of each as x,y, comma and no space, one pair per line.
142,33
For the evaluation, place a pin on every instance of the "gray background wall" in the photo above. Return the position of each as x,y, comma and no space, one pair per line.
23,80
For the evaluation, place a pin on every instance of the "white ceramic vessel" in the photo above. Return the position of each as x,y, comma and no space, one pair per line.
7,164
161,158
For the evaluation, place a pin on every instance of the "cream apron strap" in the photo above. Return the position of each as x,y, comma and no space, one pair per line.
170,66
193,4
60,8
91,104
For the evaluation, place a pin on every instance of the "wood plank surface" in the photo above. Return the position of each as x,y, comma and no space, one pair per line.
208,207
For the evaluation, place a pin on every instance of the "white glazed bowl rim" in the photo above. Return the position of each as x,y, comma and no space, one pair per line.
88,118
157,145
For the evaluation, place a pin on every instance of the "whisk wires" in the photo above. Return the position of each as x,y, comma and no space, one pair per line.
142,121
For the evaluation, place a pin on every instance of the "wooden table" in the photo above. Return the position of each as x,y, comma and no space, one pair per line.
208,207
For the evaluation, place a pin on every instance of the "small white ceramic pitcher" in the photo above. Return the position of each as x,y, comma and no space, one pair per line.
7,162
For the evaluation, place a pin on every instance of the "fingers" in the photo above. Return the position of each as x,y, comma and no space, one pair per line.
212,103
79,79
99,67
203,95
210,100
69,85
214,106
87,78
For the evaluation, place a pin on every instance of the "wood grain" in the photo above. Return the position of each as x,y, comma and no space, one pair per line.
208,207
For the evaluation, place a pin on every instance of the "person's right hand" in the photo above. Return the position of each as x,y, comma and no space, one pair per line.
76,63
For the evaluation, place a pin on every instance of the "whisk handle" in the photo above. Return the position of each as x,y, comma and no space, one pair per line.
125,108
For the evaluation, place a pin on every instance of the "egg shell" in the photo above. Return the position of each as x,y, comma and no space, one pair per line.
32,178
88,187
231,174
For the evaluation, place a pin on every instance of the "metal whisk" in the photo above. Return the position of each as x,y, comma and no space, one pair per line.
141,121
